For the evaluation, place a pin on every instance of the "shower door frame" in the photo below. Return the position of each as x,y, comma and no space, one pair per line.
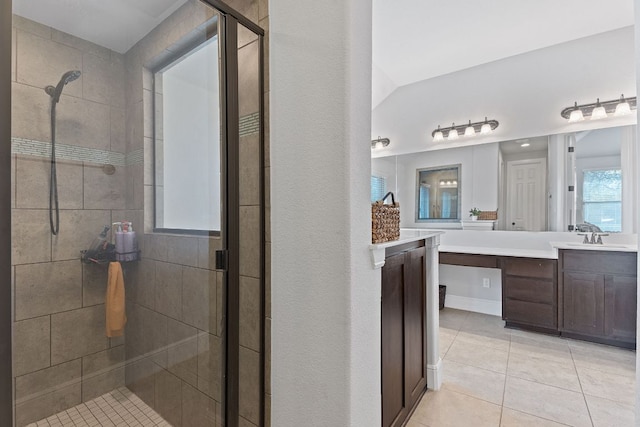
6,389
231,237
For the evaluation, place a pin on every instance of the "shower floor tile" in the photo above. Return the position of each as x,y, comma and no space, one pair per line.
120,407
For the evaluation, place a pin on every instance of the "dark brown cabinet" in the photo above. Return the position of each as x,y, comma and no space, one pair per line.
620,293
598,291
403,333
529,293
583,295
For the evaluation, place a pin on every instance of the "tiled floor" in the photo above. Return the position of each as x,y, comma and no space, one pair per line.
119,407
503,377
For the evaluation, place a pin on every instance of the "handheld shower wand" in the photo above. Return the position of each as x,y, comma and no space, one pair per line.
54,92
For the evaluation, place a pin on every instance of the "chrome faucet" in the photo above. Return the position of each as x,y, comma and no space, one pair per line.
596,238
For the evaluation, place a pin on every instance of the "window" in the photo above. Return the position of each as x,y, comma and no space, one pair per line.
378,187
187,140
438,194
602,198
423,209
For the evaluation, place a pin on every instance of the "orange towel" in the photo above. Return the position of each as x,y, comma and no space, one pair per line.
114,301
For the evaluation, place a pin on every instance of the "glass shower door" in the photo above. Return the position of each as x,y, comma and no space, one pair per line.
118,121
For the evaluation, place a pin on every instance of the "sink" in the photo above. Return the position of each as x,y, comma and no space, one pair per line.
596,246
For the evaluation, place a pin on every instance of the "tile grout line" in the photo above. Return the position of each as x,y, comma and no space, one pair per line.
580,384
506,375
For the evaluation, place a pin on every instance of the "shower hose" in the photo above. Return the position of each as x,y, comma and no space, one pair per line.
54,209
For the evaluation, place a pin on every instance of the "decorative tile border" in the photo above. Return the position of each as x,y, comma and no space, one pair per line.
249,124
135,157
75,153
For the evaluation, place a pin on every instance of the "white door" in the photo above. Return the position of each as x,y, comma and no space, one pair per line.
526,195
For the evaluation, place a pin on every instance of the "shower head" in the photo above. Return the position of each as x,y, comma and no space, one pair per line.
68,77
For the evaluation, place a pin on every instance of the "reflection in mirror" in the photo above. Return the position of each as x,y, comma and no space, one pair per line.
523,186
437,193
187,141
383,177
598,178
553,171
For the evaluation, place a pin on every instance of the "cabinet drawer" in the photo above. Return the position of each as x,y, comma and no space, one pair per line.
544,315
600,261
469,260
529,289
529,267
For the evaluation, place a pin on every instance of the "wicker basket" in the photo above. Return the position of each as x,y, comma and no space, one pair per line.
385,220
488,215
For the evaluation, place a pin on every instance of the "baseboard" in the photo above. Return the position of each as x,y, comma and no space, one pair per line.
477,305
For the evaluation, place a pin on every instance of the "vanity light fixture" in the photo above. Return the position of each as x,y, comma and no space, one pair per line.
449,184
452,132
599,110
379,143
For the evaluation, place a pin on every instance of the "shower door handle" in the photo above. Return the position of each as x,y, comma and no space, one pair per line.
222,260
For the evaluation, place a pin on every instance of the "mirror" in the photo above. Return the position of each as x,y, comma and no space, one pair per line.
599,179
437,193
602,179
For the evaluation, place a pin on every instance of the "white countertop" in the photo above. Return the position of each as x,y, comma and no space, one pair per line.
505,243
406,236
609,247
551,253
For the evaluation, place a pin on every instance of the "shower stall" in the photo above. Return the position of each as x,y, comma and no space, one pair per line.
151,115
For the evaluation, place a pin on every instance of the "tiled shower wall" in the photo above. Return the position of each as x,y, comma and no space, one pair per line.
174,295
61,355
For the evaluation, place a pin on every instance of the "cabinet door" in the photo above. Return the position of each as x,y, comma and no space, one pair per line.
394,405
620,307
414,329
583,303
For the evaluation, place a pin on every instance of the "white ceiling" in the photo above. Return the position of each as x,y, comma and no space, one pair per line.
116,24
414,40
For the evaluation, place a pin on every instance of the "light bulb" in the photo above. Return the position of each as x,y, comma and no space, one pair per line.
453,133
623,108
469,131
438,135
598,112
576,115
486,128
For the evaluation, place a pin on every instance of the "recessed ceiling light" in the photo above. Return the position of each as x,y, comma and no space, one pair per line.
526,144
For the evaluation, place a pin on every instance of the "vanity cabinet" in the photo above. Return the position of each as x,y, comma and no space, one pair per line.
404,348
529,293
598,296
